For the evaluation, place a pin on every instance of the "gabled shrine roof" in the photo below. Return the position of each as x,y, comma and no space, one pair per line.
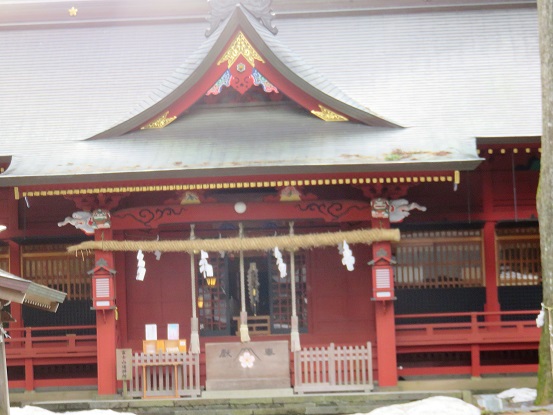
280,57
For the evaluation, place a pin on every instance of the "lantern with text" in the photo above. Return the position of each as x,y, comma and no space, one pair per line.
382,277
103,287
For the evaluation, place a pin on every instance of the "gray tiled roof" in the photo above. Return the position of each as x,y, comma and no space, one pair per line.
447,77
253,139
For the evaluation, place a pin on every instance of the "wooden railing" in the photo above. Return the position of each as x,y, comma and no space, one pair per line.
169,375
474,333
333,369
30,347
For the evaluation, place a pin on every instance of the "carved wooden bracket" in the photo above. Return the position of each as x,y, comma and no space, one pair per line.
385,190
90,202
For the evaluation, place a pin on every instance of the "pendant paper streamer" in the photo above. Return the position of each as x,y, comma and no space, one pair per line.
280,262
540,319
205,268
157,252
141,266
253,286
347,256
4,334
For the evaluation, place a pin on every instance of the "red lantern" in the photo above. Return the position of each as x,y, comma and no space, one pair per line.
382,278
103,287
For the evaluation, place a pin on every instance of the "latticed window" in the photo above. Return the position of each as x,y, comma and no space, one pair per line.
52,266
439,259
281,295
213,312
519,256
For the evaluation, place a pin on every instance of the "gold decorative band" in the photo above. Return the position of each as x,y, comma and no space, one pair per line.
238,185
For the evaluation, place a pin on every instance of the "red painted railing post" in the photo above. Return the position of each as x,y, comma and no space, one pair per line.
474,323
475,360
29,374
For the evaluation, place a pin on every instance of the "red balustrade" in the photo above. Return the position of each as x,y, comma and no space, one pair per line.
471,333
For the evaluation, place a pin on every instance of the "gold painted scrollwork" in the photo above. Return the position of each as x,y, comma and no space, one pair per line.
240,46
328,115
161,122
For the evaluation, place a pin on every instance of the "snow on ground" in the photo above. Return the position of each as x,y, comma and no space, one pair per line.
437,405
432,406
519,395
35,410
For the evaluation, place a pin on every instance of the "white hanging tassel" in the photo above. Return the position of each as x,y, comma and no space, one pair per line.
244,333
295,345
194,336
141,266
194,332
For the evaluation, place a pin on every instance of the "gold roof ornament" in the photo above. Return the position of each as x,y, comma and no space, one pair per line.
161,122
328,115
240,46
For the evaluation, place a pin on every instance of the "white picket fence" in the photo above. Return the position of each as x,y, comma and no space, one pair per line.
333,369
169,375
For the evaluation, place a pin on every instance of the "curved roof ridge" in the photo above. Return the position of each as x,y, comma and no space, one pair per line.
280,57
308,73
166,88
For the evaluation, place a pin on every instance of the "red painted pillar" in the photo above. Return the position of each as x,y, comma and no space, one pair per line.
490,256
490,269
106,330
385,321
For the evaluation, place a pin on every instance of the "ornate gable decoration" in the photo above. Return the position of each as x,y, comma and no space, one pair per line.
241,73
222,9
240,47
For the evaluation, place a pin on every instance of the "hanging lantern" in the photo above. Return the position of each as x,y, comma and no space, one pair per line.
103,286
382,277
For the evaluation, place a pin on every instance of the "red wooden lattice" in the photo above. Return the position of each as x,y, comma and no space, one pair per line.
281,295
52,266
439,259
519,256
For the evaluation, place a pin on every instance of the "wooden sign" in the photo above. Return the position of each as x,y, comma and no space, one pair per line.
124,364
253,365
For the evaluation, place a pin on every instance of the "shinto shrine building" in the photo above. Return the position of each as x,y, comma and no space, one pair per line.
225,193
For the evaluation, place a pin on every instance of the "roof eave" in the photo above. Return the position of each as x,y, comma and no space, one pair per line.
184,174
